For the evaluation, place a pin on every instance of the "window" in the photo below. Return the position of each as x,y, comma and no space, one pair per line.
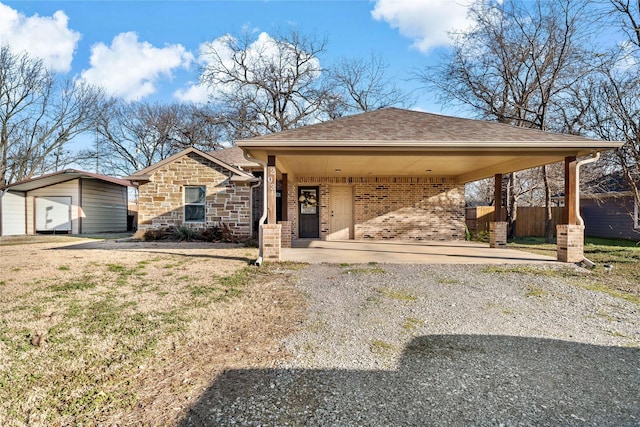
194,204
636,214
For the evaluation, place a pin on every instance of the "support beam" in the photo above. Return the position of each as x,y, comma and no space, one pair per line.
284,199
570,215
271,190
497,197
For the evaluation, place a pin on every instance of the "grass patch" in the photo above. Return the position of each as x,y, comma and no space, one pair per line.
536,292
411,323
64,268
81,284
370,269
112,342
382,348
396,294
621,281
448,282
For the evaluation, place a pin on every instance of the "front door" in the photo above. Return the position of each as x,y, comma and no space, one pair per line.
341,208
308,212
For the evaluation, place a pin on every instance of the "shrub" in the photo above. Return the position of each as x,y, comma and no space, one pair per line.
211,234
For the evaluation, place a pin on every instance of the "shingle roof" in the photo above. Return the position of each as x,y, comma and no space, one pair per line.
234,157
394,124
62,176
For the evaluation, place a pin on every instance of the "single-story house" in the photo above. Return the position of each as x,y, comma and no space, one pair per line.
384,174
65,202
195,188
609,209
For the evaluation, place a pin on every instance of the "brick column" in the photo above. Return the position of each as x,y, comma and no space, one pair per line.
271,242
498,234
286,233
570,243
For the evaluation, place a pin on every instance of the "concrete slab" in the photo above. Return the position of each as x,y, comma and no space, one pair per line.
402,252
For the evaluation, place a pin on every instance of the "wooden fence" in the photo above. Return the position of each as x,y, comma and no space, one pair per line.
529,222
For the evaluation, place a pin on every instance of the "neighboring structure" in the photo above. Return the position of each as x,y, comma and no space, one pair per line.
400,174
609,209
68,202
198,189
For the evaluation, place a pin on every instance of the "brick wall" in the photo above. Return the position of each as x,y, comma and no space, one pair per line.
409,208
161,200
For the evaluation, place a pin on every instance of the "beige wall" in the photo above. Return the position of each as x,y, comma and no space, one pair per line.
161,201
406,208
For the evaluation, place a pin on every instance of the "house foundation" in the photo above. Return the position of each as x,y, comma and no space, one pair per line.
570,242
498,234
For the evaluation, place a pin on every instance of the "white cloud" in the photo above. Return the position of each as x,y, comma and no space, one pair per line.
425,21
130,69
262,51
196,93
45,37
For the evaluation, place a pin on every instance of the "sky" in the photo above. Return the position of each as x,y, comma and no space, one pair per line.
150,50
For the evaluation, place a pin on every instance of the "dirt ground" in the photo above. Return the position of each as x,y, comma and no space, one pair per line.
200,307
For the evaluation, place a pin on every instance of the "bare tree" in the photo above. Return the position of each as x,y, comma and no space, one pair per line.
132,136
362,84
613,101
267,84
515,66
39,115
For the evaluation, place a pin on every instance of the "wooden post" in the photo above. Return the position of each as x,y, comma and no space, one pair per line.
284,200
570,216
271,190
497,197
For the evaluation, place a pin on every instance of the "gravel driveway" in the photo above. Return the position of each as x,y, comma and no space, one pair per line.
421,345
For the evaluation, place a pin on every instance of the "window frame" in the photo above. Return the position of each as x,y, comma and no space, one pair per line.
202,188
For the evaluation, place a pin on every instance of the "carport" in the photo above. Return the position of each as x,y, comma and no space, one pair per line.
398,175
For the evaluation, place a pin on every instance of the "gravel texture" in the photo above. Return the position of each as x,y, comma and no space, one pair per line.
445,345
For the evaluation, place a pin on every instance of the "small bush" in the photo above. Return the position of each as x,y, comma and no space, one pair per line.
156,234
211,234
184,233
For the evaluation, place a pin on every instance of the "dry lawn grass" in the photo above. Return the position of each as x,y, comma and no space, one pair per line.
121,333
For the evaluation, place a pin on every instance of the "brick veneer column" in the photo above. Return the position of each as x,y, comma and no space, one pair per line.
286,233
570,243
498,234
271,242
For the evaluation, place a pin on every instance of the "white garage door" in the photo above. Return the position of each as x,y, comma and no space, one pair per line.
53,213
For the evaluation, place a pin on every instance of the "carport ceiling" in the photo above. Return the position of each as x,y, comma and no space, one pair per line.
464,165
396,142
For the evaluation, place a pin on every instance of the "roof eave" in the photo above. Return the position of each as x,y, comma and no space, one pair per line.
332,145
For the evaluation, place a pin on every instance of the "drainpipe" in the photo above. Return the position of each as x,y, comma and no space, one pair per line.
594,158
263,218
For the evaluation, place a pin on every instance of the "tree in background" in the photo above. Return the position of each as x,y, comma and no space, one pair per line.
39,115
266,84
133,136
363,85
612,99
517,65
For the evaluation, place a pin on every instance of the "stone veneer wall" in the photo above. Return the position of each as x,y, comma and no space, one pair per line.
161,200
409,208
